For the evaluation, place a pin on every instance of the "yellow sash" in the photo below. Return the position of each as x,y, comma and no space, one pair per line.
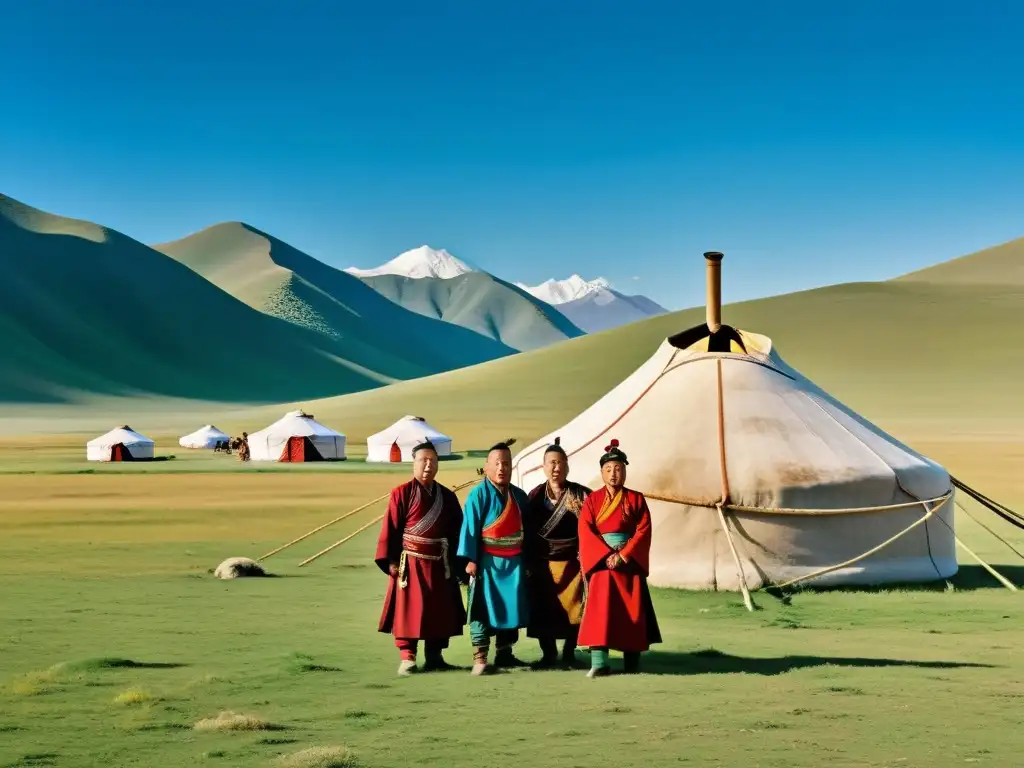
611,503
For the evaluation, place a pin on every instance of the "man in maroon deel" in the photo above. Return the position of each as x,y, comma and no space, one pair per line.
418,540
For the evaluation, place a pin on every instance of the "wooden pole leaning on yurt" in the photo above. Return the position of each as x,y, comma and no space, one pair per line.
713,300
359,530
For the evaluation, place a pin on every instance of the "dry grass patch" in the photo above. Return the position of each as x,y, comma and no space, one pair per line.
135,696
29,687
319,757
39,683
204,680
235,721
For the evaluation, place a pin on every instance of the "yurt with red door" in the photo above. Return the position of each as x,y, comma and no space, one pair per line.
395,443
120,444
297,437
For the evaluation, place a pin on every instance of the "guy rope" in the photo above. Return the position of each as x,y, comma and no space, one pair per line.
317,530
370,524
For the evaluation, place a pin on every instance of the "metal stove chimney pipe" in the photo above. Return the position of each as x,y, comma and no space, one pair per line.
714,290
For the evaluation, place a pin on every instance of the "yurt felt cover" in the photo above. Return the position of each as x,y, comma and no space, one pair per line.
271,443
407,433
99,448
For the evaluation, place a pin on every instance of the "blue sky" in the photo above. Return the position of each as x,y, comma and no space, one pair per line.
812,142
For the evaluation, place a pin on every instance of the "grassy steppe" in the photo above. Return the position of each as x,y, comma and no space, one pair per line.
116,641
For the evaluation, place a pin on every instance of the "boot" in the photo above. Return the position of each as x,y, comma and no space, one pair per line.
549,653
505,658
480,665
631,663
435,663
569,654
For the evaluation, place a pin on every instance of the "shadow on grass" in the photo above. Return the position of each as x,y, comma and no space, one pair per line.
38,758
90,665
967,579
716,662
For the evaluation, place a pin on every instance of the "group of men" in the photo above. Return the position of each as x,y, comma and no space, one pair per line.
562,561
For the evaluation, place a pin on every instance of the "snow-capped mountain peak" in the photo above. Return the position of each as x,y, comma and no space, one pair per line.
419,262
570,289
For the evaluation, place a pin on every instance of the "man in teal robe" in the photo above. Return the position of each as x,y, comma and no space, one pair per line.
491,541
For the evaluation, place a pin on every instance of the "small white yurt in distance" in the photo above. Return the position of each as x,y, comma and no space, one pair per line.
731,443
395,443
208,437
295,437
119,444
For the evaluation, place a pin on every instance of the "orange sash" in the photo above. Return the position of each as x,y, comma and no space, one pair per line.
608,507
504,537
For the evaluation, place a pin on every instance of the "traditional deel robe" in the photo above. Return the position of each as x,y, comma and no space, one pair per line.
492,537
619,613
420,532
551,550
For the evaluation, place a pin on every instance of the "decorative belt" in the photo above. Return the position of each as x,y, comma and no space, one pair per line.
503,546
415,546
557,547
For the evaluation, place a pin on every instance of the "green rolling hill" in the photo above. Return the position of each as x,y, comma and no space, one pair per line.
278,280
999,265
483,303
86,310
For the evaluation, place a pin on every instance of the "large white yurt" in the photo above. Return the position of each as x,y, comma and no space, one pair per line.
731,443
208,437
395,443
119,444
294,437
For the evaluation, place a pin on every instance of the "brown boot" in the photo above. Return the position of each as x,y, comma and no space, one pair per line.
480,665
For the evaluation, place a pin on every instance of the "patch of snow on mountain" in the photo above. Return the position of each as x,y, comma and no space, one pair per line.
563,291
419,262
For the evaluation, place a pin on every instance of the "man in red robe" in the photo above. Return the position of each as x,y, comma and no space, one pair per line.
416,548
615,547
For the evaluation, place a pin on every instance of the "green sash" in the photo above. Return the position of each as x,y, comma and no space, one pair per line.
615,540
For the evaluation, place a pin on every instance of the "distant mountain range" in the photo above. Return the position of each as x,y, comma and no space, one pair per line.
480,302
486,306
235,315
594,305
273,277
564,291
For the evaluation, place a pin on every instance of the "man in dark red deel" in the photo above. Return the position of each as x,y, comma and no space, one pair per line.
418,540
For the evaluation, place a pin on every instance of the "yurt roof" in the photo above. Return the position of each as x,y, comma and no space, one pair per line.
123,434
298,424
412,427
207,429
